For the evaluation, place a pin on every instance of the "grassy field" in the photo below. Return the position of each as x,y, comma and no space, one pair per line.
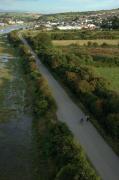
85,42
111,74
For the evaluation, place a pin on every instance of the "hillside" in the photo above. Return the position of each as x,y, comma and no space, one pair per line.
75,15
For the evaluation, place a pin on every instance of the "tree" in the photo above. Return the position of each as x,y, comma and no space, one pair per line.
111,23
71,76
84,86
68,172
42,41
115,22
113,124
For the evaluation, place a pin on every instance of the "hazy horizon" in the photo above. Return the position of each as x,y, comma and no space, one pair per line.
49,6
23,11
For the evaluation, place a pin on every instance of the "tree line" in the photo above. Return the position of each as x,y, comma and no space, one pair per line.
111,23
84,34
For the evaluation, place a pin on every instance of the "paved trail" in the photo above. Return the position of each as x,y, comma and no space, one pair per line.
100,154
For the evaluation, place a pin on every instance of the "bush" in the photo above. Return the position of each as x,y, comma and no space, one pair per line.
67,154
112,124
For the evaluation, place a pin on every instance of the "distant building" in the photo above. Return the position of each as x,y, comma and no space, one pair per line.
69,27
11,22
2,24
91,26
19,22
37,26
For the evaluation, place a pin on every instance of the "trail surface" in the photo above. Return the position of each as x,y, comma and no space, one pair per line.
100,154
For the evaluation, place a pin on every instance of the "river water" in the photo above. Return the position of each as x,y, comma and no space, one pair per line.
8,29
18,150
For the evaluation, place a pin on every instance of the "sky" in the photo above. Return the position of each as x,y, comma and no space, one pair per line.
53,6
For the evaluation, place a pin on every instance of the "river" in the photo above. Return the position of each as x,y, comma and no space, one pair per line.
8,29
18,149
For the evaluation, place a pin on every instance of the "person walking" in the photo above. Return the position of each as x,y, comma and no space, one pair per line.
81,120
87,118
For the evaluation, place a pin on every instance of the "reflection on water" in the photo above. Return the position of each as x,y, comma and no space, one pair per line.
11,28
17,149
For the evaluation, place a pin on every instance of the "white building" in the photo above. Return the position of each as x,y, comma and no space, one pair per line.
19,22
37,26
91,26
11,22
69,27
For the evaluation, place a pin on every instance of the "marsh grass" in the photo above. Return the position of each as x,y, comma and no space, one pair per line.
12,85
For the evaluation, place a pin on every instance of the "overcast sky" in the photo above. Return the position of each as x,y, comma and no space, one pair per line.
48,6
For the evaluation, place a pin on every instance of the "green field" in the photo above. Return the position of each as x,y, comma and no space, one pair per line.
111,74
85,42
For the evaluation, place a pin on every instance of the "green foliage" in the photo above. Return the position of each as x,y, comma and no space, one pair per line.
40,106
111,74
73,172
106,60
67,154
115,22
42,41
13,37
84,86
113,124
70,65
111,23
84,35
